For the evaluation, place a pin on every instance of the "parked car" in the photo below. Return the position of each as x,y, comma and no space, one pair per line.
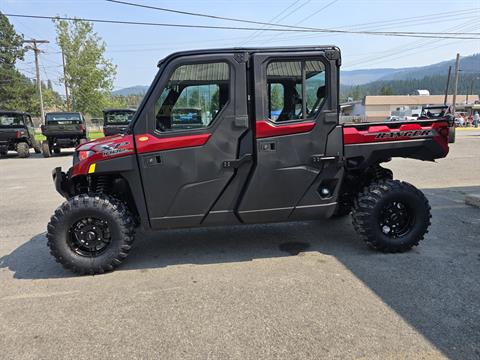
394,118
17,133
116,121
63,130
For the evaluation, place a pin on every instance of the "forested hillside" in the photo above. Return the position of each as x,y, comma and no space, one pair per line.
468,83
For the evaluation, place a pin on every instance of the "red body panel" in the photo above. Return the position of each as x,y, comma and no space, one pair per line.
438,131
379,133
148,143
265,128
105,148
122,145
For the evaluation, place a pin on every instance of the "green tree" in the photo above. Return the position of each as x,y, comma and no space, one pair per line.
386,90
88,73
276,96
15,89
11,44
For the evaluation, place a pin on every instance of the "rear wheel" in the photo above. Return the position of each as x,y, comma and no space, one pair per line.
391,216
46,149
374,173
56,150
378,172
37,148
91,234
23,150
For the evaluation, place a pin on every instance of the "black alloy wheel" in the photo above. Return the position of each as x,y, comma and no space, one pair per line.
90,236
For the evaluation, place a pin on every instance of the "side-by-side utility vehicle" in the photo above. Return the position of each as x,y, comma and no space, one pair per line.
116,121
270,148
63,130
17,133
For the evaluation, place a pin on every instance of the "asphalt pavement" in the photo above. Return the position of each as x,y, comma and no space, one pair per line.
306,290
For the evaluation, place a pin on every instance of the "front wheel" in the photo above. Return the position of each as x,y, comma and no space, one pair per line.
37,148
391,216
46,149
23,150
91,234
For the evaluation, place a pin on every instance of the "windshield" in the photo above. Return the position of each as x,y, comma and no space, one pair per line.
436,112
11,120
64,118
119,117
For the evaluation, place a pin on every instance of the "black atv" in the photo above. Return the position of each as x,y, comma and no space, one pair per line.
116,121
17,133
266,146
63,130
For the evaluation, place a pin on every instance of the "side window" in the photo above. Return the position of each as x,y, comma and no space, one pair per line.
296,89
193,97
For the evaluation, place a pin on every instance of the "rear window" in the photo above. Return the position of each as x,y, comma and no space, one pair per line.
434,112
64,118
118,117
11,120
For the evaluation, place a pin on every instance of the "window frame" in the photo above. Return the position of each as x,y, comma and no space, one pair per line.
166,76
302,60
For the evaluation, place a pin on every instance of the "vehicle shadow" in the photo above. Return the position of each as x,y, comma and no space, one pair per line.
33,155
32,260
435,287
14,155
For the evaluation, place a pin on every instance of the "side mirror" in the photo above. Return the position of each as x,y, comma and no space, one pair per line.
451,120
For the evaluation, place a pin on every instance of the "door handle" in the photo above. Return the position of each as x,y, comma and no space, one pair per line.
153,160
235,164
321,159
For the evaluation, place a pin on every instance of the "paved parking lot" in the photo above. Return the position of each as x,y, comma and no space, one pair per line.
247,292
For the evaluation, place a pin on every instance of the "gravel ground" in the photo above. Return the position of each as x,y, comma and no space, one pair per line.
246,292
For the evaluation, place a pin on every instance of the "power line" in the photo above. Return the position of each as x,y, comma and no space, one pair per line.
316,12
290,27
255,34
383,33
446,14
407,48
308,17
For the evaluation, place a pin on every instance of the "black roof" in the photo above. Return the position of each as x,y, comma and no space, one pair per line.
14,112
250,50
63,112
119,109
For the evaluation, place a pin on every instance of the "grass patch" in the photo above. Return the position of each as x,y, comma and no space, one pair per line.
92,135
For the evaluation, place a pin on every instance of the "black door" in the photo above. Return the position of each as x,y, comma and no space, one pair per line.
188,138
298,139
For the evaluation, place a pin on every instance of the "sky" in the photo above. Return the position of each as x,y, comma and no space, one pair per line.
137,49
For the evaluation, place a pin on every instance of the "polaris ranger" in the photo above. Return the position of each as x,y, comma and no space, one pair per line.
115,121
17,133
271,149
63,130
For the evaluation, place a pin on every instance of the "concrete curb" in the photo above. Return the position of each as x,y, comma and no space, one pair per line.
473,200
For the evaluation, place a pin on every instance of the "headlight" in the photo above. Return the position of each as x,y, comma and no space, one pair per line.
82,155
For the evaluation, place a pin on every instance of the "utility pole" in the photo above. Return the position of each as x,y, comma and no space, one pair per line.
37,51
455,86
65,81
448,84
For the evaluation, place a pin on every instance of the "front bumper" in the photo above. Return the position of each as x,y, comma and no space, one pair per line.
60,179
